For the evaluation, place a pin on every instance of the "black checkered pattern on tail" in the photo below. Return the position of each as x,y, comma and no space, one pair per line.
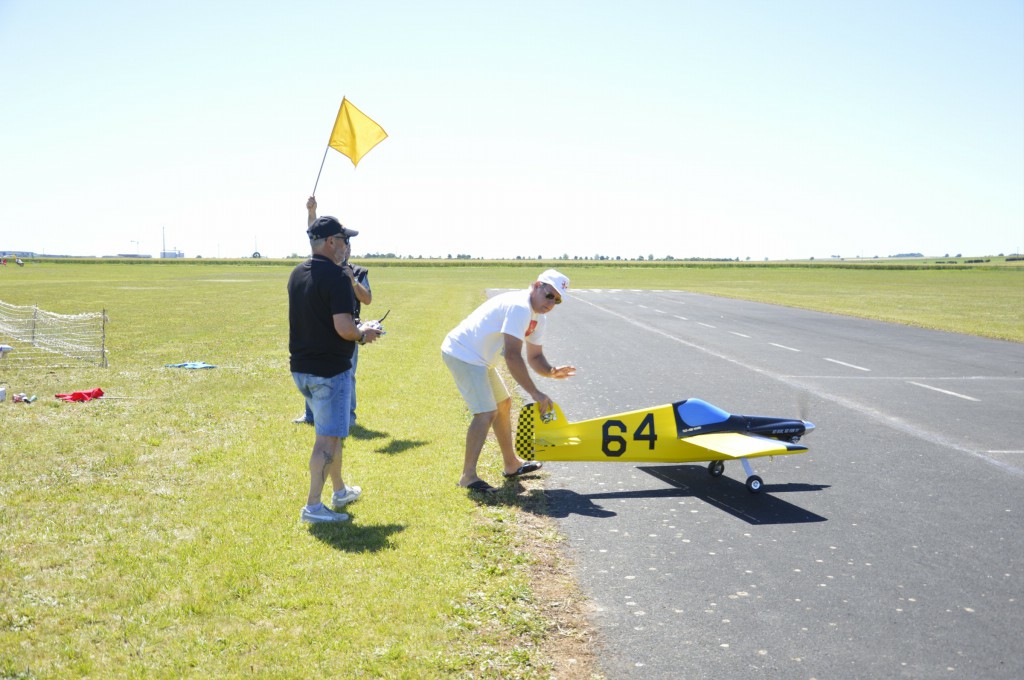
524,432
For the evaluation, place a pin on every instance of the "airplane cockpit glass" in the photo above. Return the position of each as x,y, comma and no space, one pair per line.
696,413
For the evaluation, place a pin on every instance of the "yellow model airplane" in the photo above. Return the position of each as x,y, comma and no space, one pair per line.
687,431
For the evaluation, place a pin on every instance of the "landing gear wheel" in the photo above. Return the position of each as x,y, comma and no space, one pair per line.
716,468
754,484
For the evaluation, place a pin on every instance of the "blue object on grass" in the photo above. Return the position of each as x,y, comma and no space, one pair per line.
191,364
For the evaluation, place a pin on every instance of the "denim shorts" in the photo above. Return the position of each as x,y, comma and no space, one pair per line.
481,386
330,400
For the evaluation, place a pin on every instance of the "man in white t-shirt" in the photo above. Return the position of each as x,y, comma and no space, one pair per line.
501,326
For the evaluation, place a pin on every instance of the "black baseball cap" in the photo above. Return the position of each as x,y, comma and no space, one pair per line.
326,226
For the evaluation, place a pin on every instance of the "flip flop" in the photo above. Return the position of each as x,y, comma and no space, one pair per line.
525,468
479,485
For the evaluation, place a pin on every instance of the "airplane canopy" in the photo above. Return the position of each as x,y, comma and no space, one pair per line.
697,412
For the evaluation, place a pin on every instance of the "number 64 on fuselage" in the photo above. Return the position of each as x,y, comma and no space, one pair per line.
686,431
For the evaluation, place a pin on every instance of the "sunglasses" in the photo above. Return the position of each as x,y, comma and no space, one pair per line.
551,296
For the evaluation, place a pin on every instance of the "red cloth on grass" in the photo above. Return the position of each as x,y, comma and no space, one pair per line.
84,395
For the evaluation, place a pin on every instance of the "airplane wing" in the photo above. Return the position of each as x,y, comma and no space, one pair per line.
736,445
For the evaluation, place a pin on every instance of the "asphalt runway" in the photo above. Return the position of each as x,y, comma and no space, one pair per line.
894,548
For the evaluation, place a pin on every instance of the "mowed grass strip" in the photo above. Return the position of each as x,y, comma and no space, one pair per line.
156,533
987,302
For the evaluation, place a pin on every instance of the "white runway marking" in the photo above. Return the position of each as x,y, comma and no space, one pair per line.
843,363
701,323
683,318
952,394
739,334
791,349
797,382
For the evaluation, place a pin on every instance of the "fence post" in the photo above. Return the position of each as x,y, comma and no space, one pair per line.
103,339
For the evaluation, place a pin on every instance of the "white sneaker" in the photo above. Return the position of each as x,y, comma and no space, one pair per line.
349,494
321,514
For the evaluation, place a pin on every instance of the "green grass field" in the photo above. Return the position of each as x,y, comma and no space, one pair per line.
156,533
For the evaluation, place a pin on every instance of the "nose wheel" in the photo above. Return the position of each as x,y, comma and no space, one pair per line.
754,483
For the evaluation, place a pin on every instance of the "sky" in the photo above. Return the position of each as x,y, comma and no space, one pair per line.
752,129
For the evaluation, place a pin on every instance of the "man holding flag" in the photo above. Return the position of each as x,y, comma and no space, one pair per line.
323,331
360,278
322,335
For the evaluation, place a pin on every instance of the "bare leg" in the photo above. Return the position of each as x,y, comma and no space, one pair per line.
475,438
324,463
503,433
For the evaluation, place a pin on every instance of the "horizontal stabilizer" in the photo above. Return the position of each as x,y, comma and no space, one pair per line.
736,445
558,441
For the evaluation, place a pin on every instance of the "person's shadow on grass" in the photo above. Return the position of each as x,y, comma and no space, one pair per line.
392,447
355,537
401,445
558,503
360,432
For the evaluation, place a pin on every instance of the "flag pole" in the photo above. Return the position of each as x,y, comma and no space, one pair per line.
317,183
321,170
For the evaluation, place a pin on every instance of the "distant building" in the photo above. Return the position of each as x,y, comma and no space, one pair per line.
171,254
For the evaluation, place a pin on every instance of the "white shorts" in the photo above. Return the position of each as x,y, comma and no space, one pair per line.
481,386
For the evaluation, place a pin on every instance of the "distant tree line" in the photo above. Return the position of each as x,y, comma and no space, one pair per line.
597,257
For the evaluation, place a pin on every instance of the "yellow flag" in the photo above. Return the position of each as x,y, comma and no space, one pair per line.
354,133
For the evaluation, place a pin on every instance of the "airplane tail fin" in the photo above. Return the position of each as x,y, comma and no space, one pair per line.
531,425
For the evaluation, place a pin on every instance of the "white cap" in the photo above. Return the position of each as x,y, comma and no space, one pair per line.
557,280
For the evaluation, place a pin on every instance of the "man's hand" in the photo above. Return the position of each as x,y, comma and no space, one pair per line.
370,333
544,403
560,372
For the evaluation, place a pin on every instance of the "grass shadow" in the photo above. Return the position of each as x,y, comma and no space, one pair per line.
392,447
359,432
513,493
355,538
554,503
401,445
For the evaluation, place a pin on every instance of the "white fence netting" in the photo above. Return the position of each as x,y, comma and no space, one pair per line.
29,335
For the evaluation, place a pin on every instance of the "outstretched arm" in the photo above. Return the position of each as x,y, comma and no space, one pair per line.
311,209
538,362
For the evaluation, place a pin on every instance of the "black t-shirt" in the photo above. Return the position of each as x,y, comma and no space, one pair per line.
317,290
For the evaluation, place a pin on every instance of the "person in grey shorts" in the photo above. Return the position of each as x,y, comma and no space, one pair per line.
502,326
